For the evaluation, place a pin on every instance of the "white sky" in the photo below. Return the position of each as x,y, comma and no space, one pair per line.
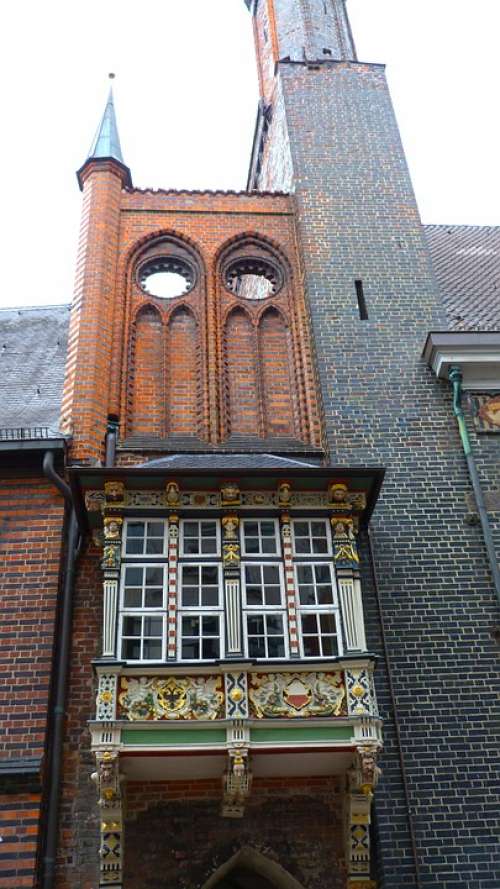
186,97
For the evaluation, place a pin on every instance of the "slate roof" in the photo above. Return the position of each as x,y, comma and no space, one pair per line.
466,260
32,357
227,461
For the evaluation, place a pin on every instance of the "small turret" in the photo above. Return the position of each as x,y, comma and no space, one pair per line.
106,146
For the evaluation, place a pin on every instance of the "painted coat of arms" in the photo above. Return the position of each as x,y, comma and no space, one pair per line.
175,697
297,694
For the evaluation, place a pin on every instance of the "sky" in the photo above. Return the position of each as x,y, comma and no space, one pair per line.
186,98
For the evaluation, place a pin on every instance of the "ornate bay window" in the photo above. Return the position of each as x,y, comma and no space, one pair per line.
203,601
233,632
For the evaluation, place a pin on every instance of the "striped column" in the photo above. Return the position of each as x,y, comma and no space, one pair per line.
290,591
173,557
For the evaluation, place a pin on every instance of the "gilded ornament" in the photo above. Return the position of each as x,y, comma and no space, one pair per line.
236,695
230,494
105,697
297,694
338,492
111,557
230,525
113,528
114,491
284,494
191,697
358,691
231,554
172,494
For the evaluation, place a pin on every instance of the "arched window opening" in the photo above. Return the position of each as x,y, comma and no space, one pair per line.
147,397
249,869
168,269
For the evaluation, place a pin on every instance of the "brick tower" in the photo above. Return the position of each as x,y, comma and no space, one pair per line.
245,396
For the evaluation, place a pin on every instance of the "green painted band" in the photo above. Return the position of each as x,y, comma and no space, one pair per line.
172,737
317,733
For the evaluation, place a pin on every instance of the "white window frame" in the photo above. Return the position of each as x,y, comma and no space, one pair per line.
140,556
200,613
312,555
145,566
307,612
313,563
220,586
200,555
271,612
262,564
260,554
142,614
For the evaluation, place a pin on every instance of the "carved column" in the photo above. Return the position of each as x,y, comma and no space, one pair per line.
362,780
284,499
108,780
232,584
111,561
238,777
173,557
345,553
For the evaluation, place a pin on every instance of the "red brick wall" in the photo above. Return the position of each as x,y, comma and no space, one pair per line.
31,521
183,376
107,350
243,411
147,379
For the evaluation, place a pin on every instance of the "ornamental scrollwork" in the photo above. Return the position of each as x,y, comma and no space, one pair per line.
297,695
153,698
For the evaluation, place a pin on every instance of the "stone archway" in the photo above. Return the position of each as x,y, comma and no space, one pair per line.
249,869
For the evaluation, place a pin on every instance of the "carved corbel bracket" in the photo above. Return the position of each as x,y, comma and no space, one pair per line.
108,781
236,783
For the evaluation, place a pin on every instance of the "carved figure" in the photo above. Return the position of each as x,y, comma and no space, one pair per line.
230,494
284,494
191,697
114,491
172,494
230,524
113,528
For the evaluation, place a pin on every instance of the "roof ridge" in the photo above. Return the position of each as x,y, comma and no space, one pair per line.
35,308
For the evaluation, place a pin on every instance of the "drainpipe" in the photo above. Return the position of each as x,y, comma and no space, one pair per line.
455,378
73,547
111,441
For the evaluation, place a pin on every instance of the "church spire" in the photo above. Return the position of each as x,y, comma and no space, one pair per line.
106,143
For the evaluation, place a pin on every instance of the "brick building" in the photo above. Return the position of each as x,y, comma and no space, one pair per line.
249,510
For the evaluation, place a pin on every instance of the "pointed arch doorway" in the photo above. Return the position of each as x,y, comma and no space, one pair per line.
249,869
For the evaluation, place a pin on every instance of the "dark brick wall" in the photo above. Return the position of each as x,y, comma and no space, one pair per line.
357,219
176,838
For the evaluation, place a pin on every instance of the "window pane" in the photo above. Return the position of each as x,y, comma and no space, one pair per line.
274,624
190,575
135,547
133,598
322,574
133,576
153,598
302,546
190,625
132,626
190,596
304,574
311,646
306,594
154,576
152,650
320,546
267,529
268,546
309,624
191,547
301,529
210,575
329,646
190,650
327,623
131,649
210,625
191,529
210,649
251,529
252,545
209,547
135,529
273,595
325,595
208,529
209,597
271,574
252,574
255,624
276,646
254,595
153,626
318,529
155,529
154,547
256,648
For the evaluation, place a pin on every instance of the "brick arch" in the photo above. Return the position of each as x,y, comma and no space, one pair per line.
183,382
146,396
279,385
253,239
148,240
242,396
266,873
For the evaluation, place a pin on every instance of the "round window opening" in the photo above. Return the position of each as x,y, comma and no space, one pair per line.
166,277
253,278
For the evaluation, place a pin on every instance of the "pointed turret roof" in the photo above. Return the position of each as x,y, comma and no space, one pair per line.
106,143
